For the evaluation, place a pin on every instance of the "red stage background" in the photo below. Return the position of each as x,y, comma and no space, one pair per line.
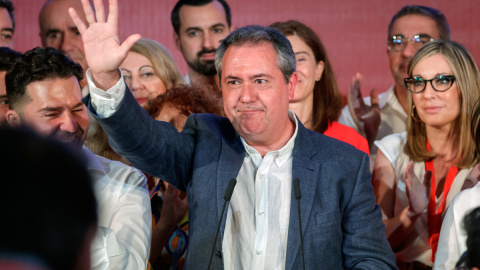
354,32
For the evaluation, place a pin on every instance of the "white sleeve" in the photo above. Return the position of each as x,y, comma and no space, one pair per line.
106,103
126,243
448,251
391,146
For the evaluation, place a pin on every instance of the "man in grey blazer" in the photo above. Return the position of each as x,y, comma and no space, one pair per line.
260,143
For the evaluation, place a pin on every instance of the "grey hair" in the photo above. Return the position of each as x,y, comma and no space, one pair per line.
254,35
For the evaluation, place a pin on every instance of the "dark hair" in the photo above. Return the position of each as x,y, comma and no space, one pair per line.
9,6
37,65
440,20
327,99
255,35
7,58
187,99
47,202
175,15
471,225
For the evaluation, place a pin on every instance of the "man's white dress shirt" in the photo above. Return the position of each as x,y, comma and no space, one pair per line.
124,215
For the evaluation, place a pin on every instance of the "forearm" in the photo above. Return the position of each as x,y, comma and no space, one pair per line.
400,226
160,236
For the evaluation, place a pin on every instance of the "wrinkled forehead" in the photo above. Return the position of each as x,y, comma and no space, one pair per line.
54,13
204,16
415,24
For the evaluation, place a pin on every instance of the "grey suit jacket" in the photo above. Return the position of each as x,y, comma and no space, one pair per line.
341,225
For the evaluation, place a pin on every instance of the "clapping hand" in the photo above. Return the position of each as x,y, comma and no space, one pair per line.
175,206
103,51
418,194
367,118
473,177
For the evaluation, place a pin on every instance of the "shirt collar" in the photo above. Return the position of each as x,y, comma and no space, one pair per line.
281,155
93,162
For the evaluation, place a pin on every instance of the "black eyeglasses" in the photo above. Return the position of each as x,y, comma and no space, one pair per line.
398,43
440,83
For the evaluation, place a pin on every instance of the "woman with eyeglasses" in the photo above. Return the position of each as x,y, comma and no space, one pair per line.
317,101
418,173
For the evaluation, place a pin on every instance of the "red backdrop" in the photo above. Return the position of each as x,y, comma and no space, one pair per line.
354,32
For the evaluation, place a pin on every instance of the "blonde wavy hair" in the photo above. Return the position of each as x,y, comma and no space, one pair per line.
467,80
163,64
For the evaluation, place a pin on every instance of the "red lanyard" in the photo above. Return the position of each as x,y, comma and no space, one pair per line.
435,216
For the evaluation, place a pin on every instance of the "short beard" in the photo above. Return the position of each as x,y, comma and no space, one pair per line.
206,68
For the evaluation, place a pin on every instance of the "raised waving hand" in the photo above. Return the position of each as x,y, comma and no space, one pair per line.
103,51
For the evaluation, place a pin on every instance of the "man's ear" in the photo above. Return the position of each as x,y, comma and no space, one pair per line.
292,83
176,38
13,118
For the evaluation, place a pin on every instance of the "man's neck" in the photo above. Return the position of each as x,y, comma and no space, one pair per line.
401,92
196,78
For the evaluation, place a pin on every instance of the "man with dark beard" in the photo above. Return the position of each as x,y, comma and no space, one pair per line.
44,93
199,27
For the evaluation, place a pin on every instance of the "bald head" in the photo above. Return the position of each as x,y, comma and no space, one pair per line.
57,29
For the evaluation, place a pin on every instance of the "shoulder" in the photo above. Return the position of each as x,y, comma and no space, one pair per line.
114,171
468,197
325,147
210,123
392,145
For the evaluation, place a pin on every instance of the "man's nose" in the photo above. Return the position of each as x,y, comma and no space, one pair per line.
67,43
68,123
208,41
248,93
409,50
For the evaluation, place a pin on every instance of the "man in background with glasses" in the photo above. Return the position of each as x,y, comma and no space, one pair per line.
380,115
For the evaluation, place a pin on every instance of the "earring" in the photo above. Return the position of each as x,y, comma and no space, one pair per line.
413,115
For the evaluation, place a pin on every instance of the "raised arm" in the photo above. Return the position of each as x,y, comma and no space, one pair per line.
103,51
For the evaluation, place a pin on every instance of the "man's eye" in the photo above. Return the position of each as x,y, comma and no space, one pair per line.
193,33
54,35
51,114
300,59
260,81
218,30
4,102
7,36
233,82
126,77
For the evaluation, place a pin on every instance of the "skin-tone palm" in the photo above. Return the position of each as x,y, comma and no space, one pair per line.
418,193
100,38
367,118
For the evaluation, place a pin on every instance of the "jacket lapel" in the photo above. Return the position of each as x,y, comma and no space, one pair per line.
307,171
231,160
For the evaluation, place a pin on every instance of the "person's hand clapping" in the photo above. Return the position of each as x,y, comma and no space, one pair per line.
418,194
367,118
